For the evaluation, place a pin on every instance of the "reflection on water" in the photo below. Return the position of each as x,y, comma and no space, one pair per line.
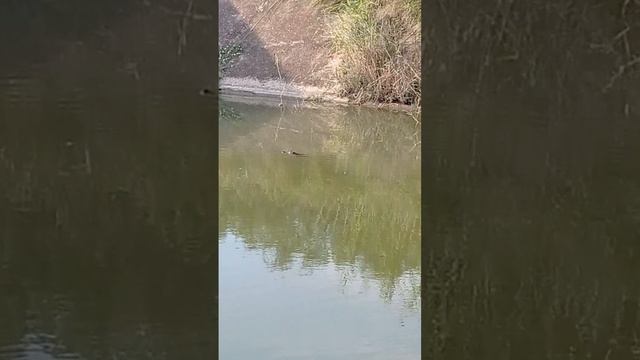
107,209
534,216
532,136
106,242
319,255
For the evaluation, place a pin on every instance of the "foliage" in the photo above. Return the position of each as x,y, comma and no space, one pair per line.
378,44
227,54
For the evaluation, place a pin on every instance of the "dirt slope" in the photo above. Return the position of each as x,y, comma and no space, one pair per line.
285,35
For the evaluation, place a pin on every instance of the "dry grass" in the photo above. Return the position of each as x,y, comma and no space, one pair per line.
378,43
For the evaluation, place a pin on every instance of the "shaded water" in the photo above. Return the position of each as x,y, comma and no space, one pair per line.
534,221
319,255
108,220
532,198
107,173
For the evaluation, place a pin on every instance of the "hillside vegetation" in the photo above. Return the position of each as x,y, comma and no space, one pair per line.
378,44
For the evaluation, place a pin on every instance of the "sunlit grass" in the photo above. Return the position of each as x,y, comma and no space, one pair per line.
378,43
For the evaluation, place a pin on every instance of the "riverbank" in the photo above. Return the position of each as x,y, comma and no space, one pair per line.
274,93
329,51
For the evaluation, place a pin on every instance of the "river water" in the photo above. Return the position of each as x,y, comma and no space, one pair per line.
319,254
109,211
533,218
114,237
107,183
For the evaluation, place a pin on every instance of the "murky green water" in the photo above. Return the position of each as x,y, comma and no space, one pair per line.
319,255
533,221
107,184
107,222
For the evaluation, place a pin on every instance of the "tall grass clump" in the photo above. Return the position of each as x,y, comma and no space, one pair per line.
378,45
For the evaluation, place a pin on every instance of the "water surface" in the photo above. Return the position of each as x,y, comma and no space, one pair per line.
107,184
319,254
533,216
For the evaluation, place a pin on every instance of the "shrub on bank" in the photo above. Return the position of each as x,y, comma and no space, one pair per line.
378,44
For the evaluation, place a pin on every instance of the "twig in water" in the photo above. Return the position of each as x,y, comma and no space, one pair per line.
621,70
182,27
87,159
278,127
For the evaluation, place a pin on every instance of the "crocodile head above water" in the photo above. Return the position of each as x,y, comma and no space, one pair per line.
291,152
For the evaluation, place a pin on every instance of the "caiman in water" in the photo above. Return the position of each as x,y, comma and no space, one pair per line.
291,152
